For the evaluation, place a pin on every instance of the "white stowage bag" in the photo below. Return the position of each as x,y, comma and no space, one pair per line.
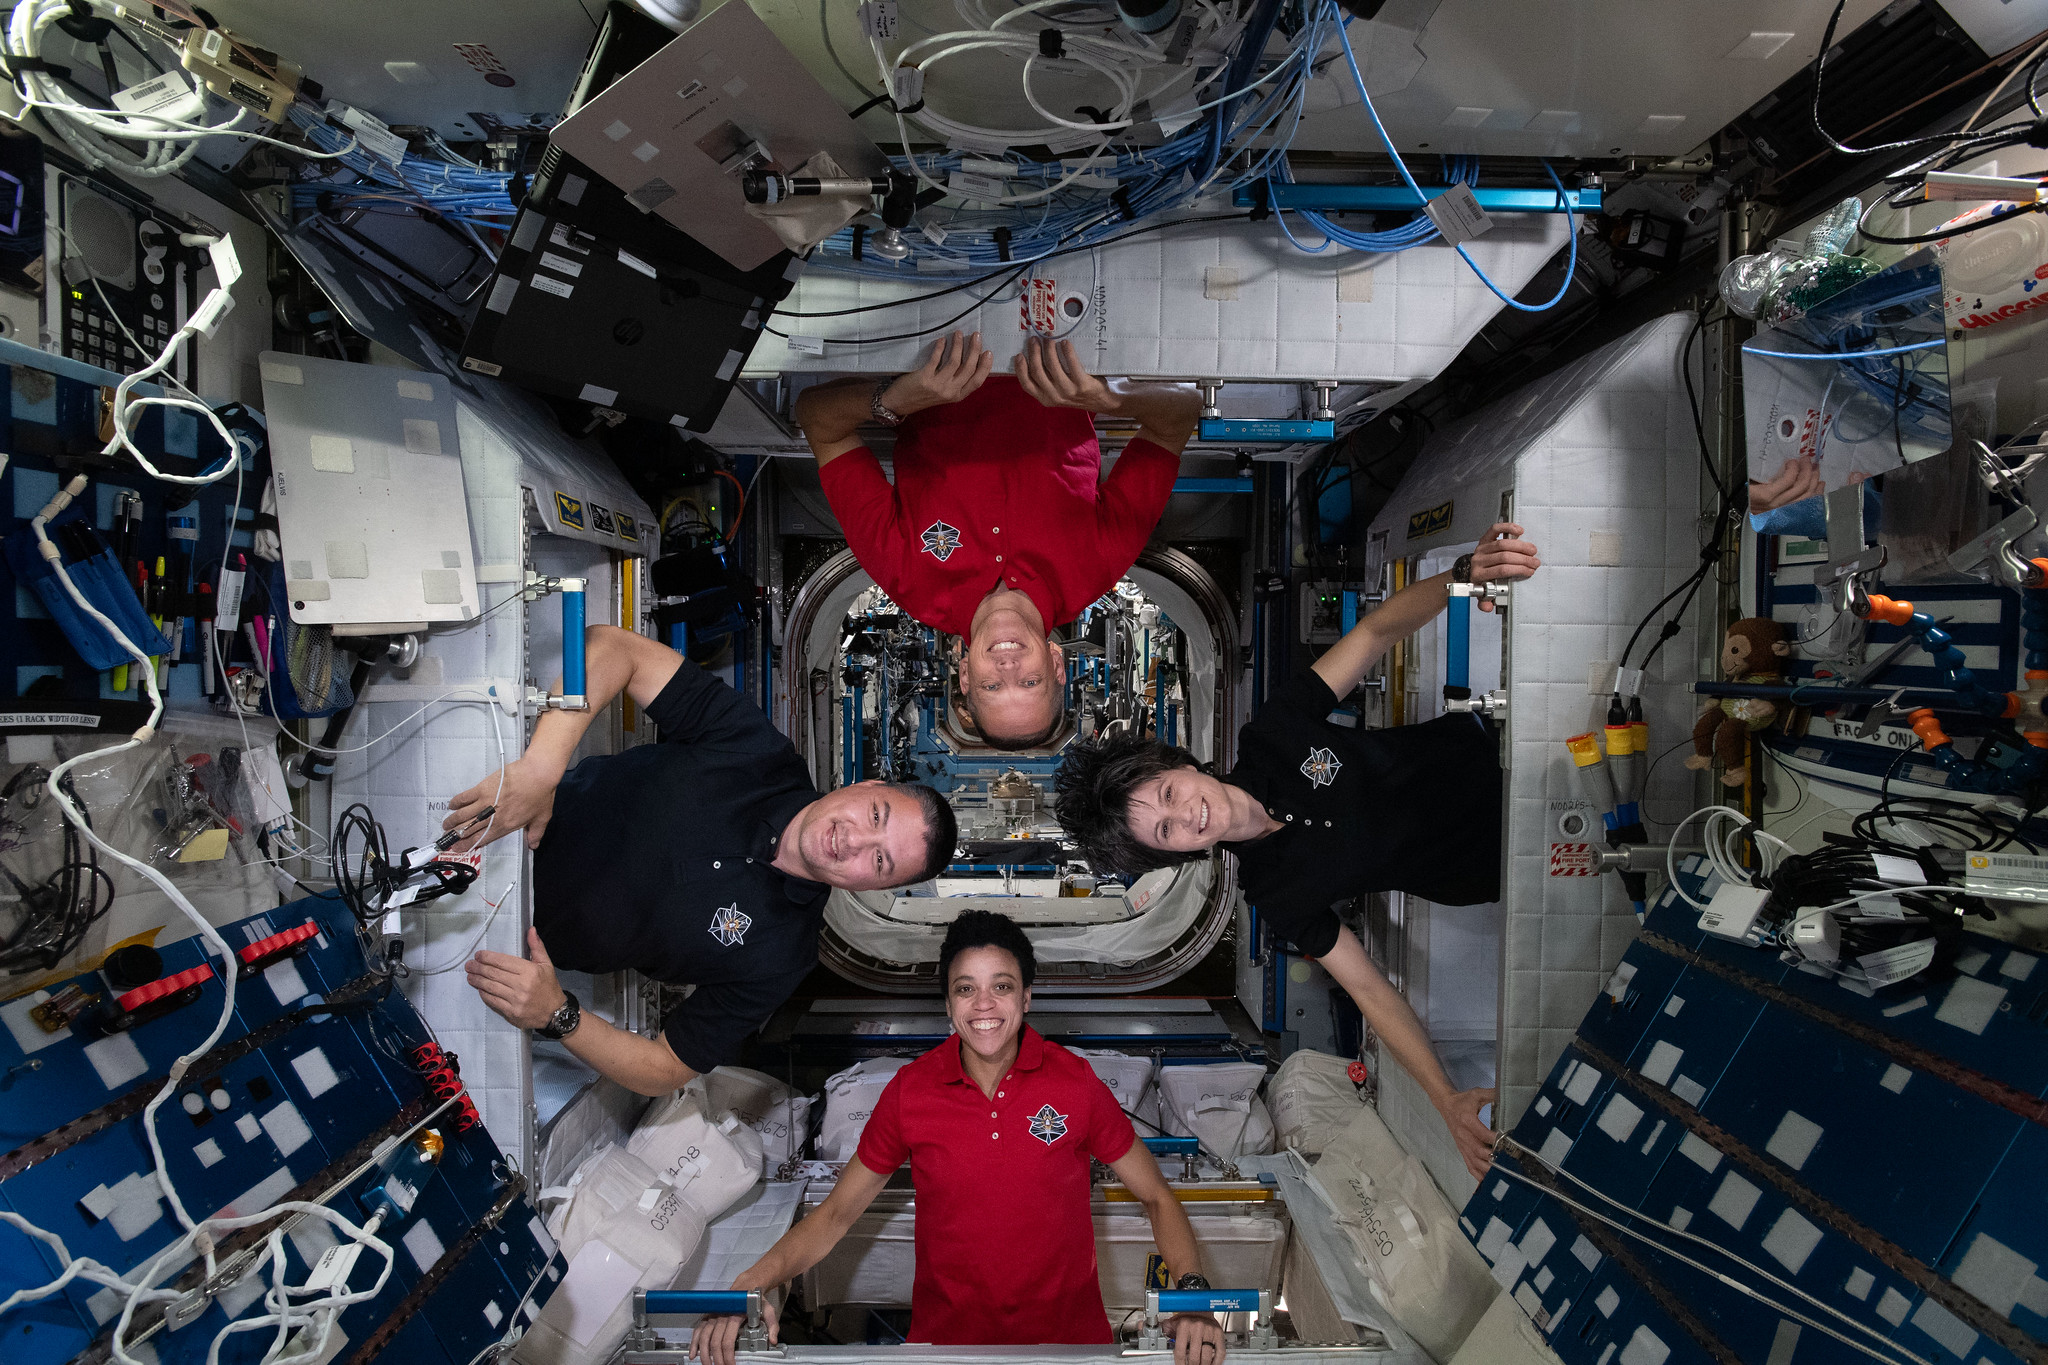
1220,1105
710,1164
1313,1100
777,1114
1130,1080
620,1229
631,1216
849,1099
1422,1268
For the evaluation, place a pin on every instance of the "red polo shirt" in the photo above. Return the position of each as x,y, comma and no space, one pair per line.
1005,1234
994,486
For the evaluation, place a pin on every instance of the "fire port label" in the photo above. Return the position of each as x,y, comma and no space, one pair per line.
1573,860
1038,306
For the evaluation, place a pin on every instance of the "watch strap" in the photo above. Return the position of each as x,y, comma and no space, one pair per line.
563,1021
881,411
1461,571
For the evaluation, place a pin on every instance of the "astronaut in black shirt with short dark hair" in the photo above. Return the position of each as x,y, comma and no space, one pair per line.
1316,813
705,859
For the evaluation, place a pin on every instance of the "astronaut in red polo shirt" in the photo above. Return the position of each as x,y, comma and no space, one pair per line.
999,1127
999,526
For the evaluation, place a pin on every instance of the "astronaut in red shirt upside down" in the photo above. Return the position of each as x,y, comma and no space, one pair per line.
999,526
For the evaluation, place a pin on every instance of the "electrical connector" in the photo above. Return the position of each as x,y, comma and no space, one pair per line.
1817,937
1732,913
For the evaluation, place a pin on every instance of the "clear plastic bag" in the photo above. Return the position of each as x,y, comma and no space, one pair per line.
1781,284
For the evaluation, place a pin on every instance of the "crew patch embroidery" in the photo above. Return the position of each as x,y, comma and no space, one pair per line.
940,540
1047,1126
730,927
1320,767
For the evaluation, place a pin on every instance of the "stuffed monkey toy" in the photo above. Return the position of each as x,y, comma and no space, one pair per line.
1753,651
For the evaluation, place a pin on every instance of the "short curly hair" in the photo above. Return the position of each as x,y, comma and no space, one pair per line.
986,929
1092,799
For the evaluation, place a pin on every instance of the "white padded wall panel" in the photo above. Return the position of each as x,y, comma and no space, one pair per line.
408,777
1150,315
1602,448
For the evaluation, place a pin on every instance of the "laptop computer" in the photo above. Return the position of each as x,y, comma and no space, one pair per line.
675,132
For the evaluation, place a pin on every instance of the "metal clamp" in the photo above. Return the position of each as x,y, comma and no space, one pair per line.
1496,593
1188,1149
1493,705
1260,1337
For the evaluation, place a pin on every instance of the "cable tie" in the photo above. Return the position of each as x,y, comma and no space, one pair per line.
1052,43
16,66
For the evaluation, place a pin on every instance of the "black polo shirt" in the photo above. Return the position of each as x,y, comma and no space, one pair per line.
658,859
1413,808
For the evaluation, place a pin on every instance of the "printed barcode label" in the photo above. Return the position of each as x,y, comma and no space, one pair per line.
2012,876
1457,214
967,185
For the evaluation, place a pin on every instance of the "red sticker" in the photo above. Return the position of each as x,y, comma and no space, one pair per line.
1574,860
1038,306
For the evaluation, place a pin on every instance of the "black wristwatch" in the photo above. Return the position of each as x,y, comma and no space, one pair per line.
563,1021
1192,1280
1461,572
879,410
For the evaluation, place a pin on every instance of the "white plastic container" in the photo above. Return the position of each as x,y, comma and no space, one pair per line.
1242,1249
1995,275
875,1264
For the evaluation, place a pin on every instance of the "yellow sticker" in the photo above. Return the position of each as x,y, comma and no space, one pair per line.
1431,522
569,509
629,529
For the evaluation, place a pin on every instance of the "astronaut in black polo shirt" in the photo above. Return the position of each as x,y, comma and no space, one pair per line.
704,860
1317,813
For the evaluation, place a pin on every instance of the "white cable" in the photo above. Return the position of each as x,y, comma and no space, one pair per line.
1721,856
96,134
483,887
198,1235
1736,1285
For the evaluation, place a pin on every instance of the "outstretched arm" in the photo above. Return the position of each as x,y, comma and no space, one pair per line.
831,414
614,661
802,1247
1500,557
1394,1021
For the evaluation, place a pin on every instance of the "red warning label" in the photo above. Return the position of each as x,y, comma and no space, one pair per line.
1574,860
1038,306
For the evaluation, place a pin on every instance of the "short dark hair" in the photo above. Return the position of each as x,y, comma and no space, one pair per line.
941,830
985,929
1029,739
1092,798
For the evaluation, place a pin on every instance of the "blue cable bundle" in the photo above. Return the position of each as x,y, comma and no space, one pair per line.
457,190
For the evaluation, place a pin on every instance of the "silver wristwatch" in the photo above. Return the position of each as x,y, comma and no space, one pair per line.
563,1021
880,410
